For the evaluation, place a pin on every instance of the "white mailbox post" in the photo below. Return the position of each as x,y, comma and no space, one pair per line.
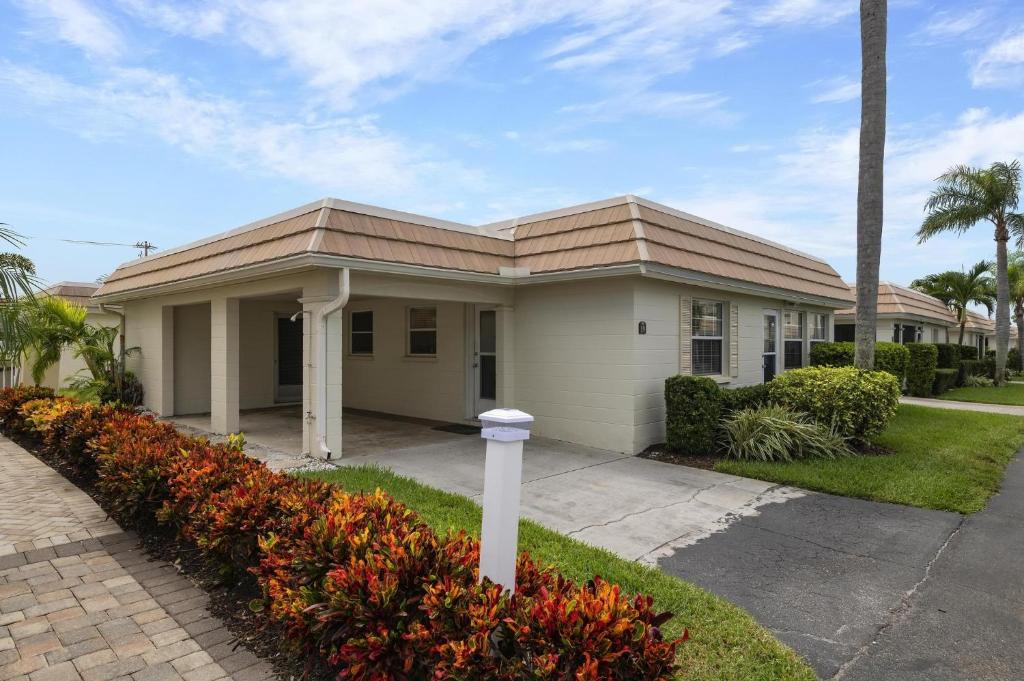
505,430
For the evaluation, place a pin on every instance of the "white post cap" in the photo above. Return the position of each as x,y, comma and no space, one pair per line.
505,425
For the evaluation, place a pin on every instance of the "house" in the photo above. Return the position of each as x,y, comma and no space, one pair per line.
576,316
69,366
904,316
980,332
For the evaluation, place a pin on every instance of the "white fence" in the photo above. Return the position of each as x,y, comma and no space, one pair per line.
10,376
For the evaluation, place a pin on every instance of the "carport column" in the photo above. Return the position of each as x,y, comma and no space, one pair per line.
506,330
311,307
224,365
162,401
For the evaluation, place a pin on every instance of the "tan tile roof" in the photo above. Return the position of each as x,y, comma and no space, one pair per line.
900,301
75,291
979,322
620,231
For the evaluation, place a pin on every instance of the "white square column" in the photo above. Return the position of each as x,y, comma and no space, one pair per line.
224,365
162,399
311,307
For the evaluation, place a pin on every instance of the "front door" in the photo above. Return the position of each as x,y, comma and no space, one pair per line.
485,361
288,360
770,358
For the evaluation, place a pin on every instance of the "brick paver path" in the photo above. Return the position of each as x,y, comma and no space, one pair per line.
81,601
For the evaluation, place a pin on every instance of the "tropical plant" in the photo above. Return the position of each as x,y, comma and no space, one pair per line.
966,196
975,381
51,324
958,290
17,281
775,433
873,29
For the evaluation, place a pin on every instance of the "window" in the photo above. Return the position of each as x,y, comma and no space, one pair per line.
845,332
793,335
362,333
895,333
911,334
707,323
422,330
935,335
819,328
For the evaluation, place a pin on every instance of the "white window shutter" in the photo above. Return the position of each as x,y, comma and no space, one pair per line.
734,340
685,331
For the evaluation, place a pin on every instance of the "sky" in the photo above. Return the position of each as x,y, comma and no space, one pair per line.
133,120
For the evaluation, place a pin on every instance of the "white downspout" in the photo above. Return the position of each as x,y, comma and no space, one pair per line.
321,380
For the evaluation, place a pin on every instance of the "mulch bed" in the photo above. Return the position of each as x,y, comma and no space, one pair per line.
661,452
230,596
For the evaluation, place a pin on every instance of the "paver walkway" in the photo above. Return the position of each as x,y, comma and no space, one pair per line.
81,601
965,406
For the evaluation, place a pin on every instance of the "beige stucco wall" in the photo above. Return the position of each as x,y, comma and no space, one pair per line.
192,359
257,368
574,366
656,354
393,382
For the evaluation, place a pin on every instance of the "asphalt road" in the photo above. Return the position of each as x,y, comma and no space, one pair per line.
872,592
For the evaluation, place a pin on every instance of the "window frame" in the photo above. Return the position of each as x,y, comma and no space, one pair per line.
695,336
352,333
801,339
409,331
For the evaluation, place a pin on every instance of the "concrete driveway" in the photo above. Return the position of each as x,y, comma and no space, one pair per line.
637,508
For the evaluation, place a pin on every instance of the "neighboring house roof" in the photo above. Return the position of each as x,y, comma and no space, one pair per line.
979,322
78,292
895,301
616,232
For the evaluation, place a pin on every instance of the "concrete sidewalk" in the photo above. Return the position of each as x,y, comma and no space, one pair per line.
965,406
81,601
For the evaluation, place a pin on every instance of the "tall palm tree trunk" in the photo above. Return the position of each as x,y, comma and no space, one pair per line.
1018,317
963,326
873,26
1002,305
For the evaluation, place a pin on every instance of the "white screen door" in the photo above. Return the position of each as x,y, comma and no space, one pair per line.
485,361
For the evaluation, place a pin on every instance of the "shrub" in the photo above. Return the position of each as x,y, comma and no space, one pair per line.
921,370
945,379
949,355
130,393
890,357
776,433
976,381
972,367
693,407
746,397
853,403
11,402
359,579
968,352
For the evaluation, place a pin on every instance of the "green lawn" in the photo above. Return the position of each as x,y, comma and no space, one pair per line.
1012,393
725,642
941,458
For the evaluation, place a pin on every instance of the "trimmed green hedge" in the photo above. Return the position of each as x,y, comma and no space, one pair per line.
889,357
945,379
973,367
747,397
949,355
921,369
857,404
968,352
693,408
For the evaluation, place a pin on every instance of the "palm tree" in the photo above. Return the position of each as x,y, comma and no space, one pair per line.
1015,280
966,196
17,281
960,289
873,28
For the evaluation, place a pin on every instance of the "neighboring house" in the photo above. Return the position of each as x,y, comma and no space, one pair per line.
576,316
904,316
980,332
69,366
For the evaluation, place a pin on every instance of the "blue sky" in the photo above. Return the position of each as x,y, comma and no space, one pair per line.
130,119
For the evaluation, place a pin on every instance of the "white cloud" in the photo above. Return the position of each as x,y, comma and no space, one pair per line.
944,25
573,145
649,102
351,154
74,22
835,90
805,11
1002,64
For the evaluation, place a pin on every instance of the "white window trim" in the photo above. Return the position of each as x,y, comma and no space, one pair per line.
409,354
721,338
352,332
